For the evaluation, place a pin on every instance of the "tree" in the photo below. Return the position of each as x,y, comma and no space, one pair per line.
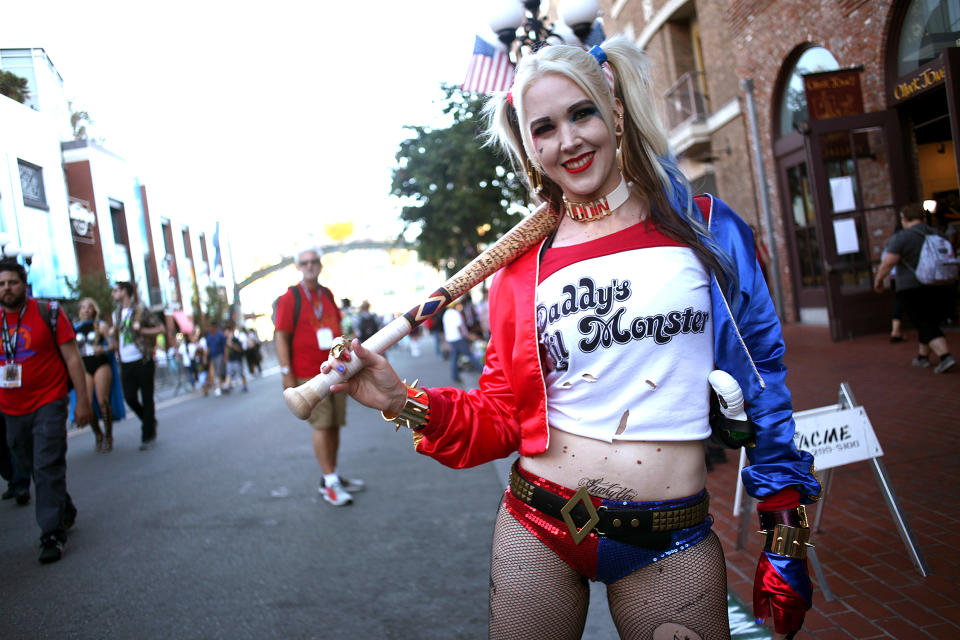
91,285
14,87
463,195
217,305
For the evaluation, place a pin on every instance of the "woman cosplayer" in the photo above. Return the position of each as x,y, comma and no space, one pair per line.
602,339
95,350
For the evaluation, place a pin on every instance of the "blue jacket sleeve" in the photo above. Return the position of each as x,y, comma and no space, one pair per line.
775,462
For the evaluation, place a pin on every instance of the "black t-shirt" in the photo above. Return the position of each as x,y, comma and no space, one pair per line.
235,352
907,243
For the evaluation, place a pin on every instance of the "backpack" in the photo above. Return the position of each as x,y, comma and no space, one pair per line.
51,315
937,263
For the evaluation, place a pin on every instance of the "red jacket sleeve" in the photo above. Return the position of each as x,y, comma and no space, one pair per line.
468,428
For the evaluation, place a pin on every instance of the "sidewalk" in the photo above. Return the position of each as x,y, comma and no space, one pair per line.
916,416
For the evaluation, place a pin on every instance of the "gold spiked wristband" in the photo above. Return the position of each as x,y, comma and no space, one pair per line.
416,410
787,532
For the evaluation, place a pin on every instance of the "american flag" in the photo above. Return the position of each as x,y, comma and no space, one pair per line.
490,69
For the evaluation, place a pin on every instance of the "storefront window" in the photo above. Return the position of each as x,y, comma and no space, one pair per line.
793,102
929,27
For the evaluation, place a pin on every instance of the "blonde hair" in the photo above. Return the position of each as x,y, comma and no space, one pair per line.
93,303
645,158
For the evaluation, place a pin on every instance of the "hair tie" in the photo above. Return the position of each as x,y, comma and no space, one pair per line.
601,58
510,97
599,54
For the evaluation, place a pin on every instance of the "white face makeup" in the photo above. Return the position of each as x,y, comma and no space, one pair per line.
571,140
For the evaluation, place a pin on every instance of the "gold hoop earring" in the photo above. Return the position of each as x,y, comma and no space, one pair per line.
536,182
618,128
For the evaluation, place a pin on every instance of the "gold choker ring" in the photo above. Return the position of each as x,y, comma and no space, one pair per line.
597,209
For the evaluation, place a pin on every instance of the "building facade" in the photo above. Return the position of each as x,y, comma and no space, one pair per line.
816,122
81,210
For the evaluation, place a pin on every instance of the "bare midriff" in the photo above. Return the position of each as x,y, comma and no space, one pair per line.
636,471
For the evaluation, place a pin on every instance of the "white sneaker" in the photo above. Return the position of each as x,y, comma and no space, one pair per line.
353,485
335,494
217,392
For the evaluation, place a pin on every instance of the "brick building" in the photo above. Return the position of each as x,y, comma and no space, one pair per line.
820,182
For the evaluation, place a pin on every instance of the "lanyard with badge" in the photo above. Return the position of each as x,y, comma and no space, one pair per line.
324,335
12,372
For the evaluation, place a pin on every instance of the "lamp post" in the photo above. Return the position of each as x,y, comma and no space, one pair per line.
520,21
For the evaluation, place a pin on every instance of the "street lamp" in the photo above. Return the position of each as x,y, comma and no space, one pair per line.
520,20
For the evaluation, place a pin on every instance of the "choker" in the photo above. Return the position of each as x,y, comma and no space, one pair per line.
590,211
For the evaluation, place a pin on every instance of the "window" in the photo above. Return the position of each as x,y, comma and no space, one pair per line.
793,102
929,27
31,183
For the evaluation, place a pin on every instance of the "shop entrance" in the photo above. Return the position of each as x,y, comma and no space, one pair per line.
928,119
857,170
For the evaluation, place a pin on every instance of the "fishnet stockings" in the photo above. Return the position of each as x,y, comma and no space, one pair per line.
536,595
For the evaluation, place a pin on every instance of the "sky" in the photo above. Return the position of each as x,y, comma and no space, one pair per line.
274,117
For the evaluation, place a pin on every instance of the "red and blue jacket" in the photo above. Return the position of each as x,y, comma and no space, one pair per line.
508,411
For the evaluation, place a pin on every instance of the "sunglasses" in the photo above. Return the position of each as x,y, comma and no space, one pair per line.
306,262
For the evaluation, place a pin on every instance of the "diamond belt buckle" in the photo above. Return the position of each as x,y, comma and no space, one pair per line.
580,496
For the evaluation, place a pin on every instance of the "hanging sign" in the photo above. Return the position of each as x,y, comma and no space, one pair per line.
832,94
82,221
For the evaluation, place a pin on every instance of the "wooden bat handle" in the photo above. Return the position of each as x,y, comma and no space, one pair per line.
531,230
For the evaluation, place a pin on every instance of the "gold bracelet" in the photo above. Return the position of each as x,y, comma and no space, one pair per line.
416,410
786,531
784,540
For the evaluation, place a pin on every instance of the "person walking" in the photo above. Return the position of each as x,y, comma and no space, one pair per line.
458,337
39,356
923,304
307,322
94,345
135,330
215,362
253,354
602,339
235,351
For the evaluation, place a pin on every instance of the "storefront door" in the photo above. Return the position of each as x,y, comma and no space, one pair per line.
858,171
806,265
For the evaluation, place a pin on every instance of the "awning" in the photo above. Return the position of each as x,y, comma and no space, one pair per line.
184,322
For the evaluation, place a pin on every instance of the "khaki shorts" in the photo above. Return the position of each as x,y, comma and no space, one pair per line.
330,413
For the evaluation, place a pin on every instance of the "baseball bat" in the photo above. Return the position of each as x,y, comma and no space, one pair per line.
302,399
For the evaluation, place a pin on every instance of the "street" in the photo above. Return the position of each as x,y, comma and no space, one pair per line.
219,532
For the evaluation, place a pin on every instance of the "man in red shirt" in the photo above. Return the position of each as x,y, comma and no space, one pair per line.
303,341
33,397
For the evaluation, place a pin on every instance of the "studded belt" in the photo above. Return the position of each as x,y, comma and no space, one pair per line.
648,528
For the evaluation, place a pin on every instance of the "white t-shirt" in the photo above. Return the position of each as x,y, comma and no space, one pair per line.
129,352
625,322
452,321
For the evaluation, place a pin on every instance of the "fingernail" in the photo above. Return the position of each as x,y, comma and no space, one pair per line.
340,368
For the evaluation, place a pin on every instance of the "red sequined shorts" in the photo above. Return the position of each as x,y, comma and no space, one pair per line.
597,557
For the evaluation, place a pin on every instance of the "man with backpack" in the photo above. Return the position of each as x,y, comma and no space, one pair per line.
307,322
921,286
39,356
